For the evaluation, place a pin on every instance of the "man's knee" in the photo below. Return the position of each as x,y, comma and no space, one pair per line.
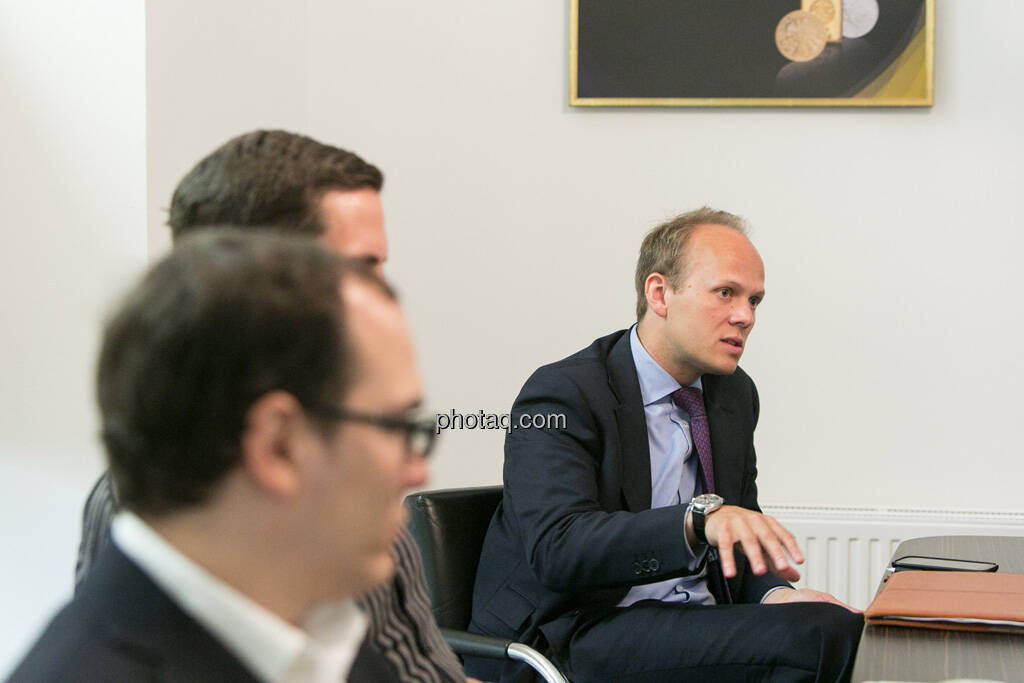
838,622
831,634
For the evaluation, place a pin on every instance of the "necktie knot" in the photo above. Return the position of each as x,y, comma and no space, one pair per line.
690,399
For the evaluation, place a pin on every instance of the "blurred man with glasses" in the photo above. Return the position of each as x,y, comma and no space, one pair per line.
257,396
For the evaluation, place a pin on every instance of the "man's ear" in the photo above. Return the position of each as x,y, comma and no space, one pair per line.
272,441
655,287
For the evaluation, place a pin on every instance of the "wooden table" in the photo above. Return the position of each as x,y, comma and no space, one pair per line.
893,653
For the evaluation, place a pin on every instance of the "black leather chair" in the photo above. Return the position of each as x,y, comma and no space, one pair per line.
449,526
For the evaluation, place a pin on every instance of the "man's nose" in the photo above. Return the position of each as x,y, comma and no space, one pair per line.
743,314
415,472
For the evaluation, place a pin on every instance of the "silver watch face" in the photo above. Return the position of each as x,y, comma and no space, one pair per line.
708,502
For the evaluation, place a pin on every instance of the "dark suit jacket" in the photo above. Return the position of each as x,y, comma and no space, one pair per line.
122,627
575,529
401,625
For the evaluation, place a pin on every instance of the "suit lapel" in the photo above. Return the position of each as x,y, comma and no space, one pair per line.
142,619
635,454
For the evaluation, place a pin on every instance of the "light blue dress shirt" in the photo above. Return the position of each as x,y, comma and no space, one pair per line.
673,469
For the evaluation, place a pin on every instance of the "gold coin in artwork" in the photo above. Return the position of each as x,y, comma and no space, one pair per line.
831,14
800,36
824,10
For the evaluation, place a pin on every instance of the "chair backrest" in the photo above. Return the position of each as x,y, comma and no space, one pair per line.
449,527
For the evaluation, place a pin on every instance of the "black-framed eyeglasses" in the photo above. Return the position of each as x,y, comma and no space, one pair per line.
420,434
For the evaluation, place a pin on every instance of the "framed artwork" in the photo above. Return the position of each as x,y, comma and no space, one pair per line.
791,53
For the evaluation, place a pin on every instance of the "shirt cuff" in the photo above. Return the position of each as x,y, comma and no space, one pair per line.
697,557
770,591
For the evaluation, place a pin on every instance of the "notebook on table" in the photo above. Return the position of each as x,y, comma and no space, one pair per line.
971,601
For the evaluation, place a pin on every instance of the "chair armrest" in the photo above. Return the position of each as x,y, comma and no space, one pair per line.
488,647
476,645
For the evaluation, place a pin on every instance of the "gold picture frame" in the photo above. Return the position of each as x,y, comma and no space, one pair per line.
654,53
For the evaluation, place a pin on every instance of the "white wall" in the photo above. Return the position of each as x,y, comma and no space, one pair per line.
886,344
76,134
885,352
214,71
72,188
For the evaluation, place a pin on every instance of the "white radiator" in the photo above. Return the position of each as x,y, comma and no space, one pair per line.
848,548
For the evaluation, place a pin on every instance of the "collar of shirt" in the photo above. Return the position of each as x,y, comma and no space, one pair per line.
655,383
322,651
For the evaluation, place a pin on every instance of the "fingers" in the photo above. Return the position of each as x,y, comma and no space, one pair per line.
764,542
787,539
725,554
731,528
751,541
778,542
758,535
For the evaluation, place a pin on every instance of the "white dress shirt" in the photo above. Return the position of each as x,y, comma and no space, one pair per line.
322,651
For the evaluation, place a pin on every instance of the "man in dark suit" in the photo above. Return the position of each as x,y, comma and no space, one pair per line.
612,549
295,184
257,399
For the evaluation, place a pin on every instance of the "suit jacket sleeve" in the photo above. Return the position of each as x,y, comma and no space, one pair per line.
563,486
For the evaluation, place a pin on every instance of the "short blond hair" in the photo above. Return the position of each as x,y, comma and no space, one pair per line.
664,248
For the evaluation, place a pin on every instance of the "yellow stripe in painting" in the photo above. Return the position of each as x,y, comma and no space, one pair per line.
906,76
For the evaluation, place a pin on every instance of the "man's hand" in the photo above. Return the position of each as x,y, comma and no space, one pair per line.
804,595
756,533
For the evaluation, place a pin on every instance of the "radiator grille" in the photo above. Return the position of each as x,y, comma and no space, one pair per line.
848,548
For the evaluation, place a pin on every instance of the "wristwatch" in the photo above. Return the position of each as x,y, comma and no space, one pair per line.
700,507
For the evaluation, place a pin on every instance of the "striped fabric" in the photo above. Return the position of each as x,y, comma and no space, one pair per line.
403,627
401,624
96,518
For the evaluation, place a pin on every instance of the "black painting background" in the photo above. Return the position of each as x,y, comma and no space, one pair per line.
724,48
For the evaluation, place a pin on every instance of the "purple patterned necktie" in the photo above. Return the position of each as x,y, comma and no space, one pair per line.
691,399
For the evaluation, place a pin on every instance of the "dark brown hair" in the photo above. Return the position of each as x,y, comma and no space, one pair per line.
266,179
